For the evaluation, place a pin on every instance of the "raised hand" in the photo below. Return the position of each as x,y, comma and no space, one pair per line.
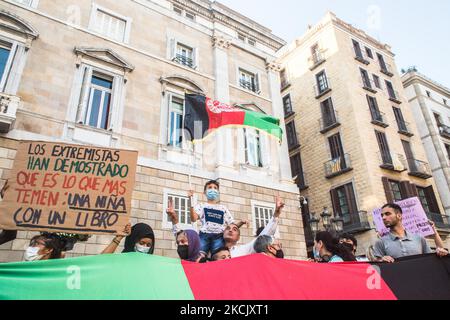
279,205
171,212
5,187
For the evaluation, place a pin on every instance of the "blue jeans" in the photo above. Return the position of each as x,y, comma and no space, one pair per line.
211,242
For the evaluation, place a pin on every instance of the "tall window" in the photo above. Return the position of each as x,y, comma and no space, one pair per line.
248,80
322,82
400,120
384,147
344,203
376,81
396,190
328,113
181,206
390,90
383,65
374,110
369,53
175,136
365,78
291,135
429,202
284,79
296,165
357,48
110,25
99,105
262,215
287,103
253,147
185,55
316,55
5,50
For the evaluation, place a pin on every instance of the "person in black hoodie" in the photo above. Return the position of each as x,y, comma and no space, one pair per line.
141,238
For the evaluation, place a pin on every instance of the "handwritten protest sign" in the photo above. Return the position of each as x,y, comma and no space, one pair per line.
67,188
414,218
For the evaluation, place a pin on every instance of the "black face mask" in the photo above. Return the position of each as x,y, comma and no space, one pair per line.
183,252
348,246
279,254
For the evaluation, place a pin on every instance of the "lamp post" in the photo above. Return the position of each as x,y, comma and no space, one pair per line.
331,224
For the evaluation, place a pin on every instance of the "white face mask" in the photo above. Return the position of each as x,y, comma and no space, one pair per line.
31,254
141,249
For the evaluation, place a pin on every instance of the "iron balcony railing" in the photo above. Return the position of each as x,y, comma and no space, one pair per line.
404,128
386,68
337,166
419,168
316,59
329,121
441,221
248,85
356,222
185,61
395,162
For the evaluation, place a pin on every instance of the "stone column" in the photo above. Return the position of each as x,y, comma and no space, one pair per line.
224,137
273,73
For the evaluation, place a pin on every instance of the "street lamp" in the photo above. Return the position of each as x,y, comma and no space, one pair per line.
335,224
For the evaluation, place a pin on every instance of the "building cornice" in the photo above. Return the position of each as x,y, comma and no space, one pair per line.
410,78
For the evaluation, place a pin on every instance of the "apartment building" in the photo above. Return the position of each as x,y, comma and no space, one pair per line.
114,74
352,137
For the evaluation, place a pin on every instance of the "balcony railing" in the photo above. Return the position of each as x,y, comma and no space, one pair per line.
361,56
329,122
322,90
404,128
444,131
337,166
441,221
248,85
394,96
419,169
8,109
379,118
356,222
316,60
387,69
394,162
185,61
369,85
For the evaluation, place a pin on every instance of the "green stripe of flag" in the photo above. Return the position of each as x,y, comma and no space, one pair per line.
132,276
263,122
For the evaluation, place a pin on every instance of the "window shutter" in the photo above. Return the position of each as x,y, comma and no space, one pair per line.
335,202
257,84
405,190
172,48
413,190
388,190
265,149
169,102
351,200
241,142
84,96
195,57
431,198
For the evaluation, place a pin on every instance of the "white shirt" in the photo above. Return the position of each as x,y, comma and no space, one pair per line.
247,248
214,217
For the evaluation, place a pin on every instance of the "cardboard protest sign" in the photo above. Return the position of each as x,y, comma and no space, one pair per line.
414,218
59,187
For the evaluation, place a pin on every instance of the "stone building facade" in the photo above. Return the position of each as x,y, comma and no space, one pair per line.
352,138
114,74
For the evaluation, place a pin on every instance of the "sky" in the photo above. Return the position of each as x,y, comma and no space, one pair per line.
418,31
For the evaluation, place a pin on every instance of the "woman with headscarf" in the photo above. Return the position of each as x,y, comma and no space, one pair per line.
188,241
140,238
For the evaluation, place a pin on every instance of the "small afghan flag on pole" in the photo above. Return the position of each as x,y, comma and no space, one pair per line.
203,115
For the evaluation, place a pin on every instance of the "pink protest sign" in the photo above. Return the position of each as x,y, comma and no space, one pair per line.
414,218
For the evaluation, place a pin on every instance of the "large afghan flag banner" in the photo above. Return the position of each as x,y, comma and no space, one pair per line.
256,277
203,115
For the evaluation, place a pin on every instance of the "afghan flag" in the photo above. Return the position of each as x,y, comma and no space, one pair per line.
257,277
203,115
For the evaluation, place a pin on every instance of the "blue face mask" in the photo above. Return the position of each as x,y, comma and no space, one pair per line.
316,253
212,194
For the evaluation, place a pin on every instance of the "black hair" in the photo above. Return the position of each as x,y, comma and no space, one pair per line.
350,237
258,232
215,182
332,244
394,206
52,242
217,251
